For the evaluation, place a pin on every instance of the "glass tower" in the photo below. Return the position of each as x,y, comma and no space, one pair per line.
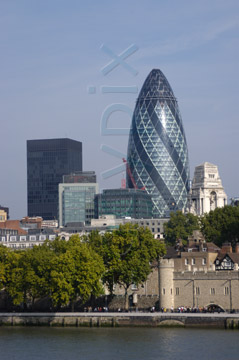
157,148
47,161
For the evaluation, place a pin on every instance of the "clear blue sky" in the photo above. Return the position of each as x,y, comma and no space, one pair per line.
51,53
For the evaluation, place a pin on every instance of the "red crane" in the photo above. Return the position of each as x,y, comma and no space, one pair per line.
131,175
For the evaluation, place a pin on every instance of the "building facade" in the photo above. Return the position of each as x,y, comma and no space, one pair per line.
207,192
133,203
199,275
16,241
47,161
4,213
76,198
80,177
157,149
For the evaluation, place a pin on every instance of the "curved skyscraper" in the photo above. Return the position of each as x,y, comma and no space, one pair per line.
157,149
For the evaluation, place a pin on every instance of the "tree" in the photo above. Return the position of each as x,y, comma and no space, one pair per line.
221,225
3,262
61,270
22,280
127,253
76,272
180,226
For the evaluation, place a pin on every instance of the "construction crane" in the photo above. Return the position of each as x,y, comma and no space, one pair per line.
131,175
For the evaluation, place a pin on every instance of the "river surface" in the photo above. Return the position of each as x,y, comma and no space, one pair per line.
33,343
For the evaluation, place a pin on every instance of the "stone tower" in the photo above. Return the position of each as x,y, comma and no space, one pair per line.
207,192
166,288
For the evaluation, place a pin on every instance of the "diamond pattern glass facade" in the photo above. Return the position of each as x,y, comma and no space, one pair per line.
157,149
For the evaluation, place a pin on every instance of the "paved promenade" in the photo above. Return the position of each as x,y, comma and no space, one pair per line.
124,314
120,319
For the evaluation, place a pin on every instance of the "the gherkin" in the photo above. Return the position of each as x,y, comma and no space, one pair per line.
157,149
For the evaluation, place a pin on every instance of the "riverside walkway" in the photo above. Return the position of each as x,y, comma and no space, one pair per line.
113,319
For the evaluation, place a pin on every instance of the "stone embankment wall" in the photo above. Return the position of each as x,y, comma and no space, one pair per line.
113,320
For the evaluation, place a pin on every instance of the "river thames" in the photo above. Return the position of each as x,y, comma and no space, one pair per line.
30,343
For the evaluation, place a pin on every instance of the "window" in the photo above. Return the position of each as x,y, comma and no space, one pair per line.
134,287
204,261
193,261
163,291
177,291
211,176
186,261
197,290
212,291
226,290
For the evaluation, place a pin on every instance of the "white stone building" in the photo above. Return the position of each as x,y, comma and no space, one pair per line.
207,192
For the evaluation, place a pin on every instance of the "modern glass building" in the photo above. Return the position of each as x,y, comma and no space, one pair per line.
157,148
76,202
122,203
47,161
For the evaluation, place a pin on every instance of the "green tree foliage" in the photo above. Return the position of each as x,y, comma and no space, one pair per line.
221,225
77,272
127,253
63,271
180,226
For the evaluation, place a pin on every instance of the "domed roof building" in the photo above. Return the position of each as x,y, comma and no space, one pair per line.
157,149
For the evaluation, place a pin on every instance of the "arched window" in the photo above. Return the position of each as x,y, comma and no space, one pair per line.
213,200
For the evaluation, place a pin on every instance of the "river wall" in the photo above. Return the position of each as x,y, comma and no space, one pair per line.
225,321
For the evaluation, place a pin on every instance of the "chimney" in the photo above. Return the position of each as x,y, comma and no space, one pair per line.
237,248
226,248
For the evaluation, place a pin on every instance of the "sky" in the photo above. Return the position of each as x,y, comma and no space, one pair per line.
57,58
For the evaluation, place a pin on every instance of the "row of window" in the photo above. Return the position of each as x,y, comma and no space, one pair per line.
193,261
212,291
26,238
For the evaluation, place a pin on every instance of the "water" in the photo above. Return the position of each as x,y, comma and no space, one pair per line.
32,343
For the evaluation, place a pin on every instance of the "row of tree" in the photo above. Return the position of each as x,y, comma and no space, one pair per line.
65,271
219,226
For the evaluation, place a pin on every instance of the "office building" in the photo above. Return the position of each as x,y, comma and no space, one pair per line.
122,203
80,177
76,198
47,161
157,149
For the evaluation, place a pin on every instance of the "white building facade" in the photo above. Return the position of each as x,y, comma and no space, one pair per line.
207,192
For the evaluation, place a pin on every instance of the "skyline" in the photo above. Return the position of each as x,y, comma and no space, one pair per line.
52,61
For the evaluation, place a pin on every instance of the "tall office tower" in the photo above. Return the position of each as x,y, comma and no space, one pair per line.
76,198
47,161
157,148
207,192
